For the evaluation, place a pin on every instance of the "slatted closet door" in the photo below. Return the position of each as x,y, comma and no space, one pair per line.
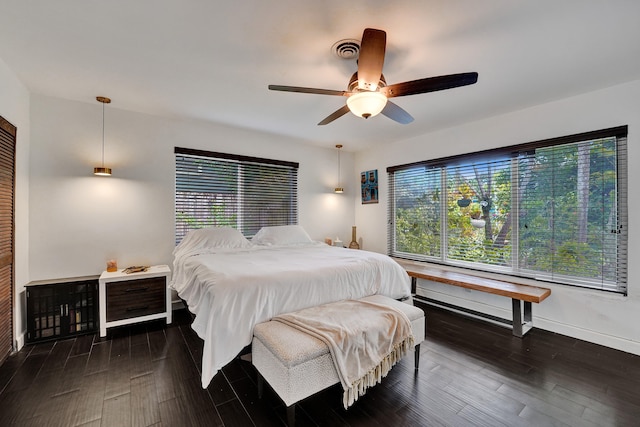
7,185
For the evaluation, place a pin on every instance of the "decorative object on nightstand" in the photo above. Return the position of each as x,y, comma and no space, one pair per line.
136,269
112,265
354,243
127,298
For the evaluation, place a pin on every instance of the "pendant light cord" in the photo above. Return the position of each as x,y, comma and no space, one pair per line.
339,180
103,134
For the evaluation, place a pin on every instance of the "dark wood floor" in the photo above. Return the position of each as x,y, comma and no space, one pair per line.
471,373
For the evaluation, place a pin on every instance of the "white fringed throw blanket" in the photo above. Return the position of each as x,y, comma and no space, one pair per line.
365,339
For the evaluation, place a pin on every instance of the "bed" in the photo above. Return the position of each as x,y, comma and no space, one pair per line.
231,284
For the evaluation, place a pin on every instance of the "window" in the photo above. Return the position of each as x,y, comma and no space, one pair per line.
247,193
553,210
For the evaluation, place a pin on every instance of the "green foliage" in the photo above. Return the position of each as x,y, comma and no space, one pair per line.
418,227
219,211
548,216
475,211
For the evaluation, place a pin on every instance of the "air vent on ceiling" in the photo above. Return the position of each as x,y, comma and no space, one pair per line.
346,49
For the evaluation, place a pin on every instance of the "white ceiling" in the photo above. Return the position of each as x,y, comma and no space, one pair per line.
212,60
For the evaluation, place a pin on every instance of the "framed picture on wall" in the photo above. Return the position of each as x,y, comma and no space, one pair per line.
369,186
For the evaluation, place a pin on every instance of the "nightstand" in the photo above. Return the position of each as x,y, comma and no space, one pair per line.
132,298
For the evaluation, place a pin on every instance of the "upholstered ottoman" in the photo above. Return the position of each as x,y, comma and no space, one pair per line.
298,365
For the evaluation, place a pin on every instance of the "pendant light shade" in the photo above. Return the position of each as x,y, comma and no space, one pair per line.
102,170
339,189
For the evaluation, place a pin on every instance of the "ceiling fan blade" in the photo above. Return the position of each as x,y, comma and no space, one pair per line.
394,112
309,90
336,114
430,84
371,58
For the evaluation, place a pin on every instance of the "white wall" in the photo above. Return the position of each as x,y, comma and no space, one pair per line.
606,319
14,107
77,221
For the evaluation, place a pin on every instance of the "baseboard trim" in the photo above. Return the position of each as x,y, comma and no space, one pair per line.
19,342
628,346
611,341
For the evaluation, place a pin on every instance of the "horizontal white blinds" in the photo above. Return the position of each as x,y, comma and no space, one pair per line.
416,200
552,210
572,213
479,221
216,189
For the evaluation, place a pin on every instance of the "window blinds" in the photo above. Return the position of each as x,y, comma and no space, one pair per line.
247,193
415,208
572,215
486,187
552,210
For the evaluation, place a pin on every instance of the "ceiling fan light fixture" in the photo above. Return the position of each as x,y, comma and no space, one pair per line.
367,91
366,104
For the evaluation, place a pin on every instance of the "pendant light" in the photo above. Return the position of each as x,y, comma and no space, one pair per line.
339,189
102,170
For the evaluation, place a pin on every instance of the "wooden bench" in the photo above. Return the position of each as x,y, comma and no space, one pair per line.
521,295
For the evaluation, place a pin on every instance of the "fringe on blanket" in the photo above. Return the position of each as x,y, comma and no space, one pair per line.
375,375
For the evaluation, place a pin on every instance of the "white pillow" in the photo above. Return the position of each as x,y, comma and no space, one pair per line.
213,237
281,235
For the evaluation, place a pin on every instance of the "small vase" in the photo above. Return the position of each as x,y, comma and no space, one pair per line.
354,244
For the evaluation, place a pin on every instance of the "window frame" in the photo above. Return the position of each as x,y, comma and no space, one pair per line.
512,153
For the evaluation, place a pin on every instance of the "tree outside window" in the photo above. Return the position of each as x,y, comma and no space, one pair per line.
553,211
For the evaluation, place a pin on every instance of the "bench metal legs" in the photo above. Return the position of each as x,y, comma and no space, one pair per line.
521,317
417,356
521,323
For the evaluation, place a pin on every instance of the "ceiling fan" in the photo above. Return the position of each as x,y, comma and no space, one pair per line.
368,93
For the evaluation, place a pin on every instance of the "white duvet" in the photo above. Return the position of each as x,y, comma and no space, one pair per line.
231,290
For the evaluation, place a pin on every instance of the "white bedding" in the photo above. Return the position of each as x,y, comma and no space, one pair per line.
232,289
